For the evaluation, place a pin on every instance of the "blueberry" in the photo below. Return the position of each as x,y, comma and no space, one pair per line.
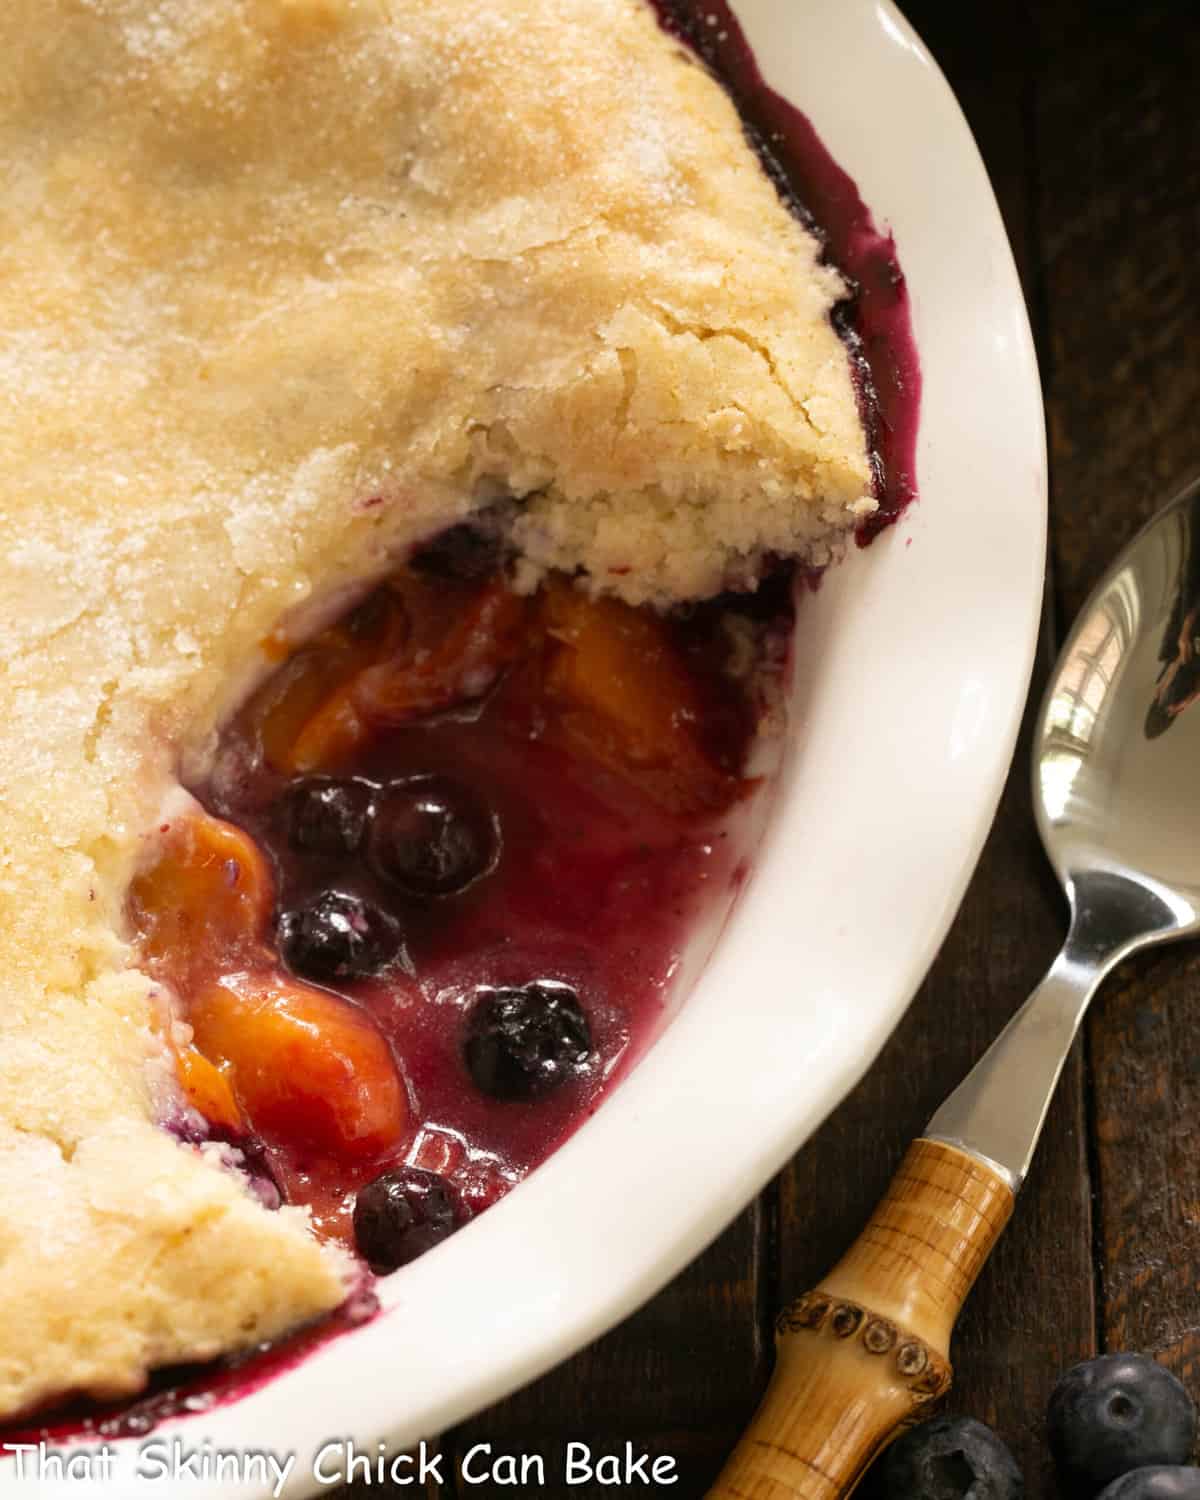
403,1213
1158,1482
325,816
337,936
1114,1414
951,1458
520,1043
432,837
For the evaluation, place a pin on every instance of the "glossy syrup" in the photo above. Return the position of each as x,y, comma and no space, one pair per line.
595,887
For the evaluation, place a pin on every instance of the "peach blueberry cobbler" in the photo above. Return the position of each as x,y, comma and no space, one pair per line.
401,402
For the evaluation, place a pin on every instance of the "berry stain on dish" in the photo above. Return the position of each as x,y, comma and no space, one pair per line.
426,906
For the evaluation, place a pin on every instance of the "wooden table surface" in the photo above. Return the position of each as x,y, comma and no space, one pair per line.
1086,117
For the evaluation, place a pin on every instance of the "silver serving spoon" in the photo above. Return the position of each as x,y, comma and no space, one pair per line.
1115,758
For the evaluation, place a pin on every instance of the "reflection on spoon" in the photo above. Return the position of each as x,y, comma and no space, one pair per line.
1178,683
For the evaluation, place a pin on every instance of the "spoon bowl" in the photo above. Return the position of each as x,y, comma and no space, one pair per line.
1115,795
1117,744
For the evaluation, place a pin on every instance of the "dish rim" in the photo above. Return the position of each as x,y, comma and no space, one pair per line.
445,1342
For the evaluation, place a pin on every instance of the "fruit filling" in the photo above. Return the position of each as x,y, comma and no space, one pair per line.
428,904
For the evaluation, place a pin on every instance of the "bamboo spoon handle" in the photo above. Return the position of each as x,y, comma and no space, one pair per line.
866,1353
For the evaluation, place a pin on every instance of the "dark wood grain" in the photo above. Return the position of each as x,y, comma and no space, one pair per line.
1085,119
1119,168
1120,199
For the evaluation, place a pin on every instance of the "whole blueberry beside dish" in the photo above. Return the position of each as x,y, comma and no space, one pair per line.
951,1458
1158,1482
1114,1414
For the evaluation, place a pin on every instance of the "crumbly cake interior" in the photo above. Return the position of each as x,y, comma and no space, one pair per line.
286,285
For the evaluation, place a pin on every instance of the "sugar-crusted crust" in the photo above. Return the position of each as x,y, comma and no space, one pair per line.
285,285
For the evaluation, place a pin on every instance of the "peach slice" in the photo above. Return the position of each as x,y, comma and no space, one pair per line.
331,734
306,1066
454,655
483,637
318,672
208,1090
626,701
207,896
